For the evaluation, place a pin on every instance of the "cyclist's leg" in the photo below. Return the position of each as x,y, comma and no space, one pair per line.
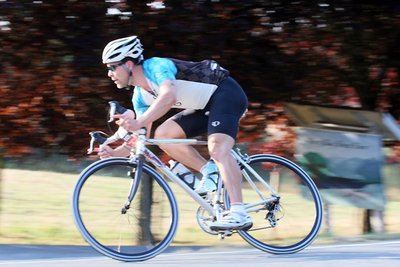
185,154
227,105
219,146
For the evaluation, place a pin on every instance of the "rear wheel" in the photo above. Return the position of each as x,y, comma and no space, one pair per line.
135,234
293,221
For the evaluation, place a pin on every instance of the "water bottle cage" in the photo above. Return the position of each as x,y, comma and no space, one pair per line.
182,177
183,173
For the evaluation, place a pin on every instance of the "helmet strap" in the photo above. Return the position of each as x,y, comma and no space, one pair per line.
130,77
130,80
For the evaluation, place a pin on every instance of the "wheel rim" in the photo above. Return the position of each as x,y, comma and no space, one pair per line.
117,235
301,215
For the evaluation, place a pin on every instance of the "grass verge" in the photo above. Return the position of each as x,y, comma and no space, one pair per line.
35,209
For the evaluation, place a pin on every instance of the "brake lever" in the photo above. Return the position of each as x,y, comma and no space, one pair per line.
115,109
121,133
96,136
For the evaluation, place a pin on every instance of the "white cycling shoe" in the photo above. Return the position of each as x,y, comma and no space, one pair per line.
232,221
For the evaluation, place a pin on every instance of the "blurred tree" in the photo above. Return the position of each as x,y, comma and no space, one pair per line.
54,89
333,53
1,184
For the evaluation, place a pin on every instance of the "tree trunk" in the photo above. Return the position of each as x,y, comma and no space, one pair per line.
146,200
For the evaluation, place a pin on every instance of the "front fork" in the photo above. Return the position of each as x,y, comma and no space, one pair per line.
136,176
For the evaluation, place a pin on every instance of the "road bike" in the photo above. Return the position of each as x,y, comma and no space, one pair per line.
125,208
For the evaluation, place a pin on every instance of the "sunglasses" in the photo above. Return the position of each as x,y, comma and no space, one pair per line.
115,66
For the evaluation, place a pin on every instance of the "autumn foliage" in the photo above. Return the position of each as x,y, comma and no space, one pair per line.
54,89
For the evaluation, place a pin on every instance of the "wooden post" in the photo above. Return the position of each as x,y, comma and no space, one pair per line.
146,201
366,221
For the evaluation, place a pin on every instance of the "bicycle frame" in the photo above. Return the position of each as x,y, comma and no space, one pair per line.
263,176
142,153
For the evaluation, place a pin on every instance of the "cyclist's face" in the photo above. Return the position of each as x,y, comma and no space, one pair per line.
118,74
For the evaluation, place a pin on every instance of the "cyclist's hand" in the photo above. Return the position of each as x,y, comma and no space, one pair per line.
104,151
126,122
130,113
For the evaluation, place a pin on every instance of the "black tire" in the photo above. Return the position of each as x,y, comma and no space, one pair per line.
300,218
97,203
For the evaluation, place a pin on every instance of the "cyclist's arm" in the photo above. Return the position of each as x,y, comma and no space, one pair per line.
107,152
148,128
162,72
163,103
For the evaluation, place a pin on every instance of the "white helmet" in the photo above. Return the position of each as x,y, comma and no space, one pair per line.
121,48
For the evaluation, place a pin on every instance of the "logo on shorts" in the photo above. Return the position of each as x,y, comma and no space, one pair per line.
215,123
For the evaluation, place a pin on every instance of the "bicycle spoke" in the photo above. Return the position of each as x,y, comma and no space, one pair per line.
290,221
143,231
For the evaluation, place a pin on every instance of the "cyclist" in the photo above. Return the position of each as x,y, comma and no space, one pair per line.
212,103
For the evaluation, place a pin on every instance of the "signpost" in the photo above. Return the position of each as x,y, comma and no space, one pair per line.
341,148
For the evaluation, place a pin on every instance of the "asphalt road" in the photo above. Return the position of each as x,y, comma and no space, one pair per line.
366,254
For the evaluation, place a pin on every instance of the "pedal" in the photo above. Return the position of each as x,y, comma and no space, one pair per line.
225,233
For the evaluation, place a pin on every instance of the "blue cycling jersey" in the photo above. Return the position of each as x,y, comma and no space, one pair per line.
195,82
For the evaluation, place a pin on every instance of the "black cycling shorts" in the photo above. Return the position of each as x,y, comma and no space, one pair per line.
221,114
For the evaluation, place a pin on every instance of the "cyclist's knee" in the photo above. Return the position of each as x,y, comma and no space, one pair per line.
161,132
219,146
169,129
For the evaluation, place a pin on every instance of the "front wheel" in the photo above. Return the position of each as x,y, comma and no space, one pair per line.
136,232
293,220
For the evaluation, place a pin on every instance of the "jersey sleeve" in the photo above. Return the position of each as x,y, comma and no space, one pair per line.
159,70
138,102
